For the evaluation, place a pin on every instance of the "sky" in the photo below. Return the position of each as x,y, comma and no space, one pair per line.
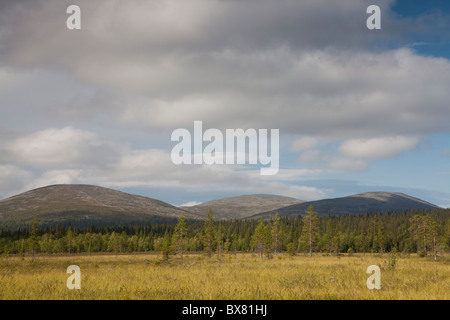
357,110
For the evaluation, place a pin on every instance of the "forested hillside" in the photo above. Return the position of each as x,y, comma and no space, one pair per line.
423,231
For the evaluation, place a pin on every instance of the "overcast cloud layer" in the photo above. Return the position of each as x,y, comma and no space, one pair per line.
98,105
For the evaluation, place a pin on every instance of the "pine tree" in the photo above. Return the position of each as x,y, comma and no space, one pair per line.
259,237
268,241
447,235
276,233
310,223
34,244
420,230
433,235
69,239
290,248
166,247
209,233
219,240
179,237
329,234
5,254
381,238
227,245
123,241
22,246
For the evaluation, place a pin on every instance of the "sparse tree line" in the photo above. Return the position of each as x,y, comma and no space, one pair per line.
426,232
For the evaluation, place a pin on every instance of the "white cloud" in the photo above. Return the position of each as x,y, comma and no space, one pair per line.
260,64
304,143
313,156
13,180
376,148
332,94
52,177
153,168
339,164
61,147
141,66
285,174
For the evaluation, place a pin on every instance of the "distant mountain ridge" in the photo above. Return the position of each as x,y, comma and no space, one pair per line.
362,203
87,204
243,206
82,204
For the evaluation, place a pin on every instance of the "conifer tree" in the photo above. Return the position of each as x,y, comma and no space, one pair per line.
179,237
268,241
69,239
219,240
259,237
209,233
34,244
276,234
381,238
166,247
433,235
310,222
329,234
447,235
420,229
5,254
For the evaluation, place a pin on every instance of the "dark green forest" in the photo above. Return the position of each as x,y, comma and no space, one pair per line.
426,232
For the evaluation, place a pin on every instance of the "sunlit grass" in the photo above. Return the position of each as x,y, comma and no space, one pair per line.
241,276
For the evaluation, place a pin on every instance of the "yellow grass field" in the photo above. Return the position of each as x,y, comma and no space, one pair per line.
235,277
